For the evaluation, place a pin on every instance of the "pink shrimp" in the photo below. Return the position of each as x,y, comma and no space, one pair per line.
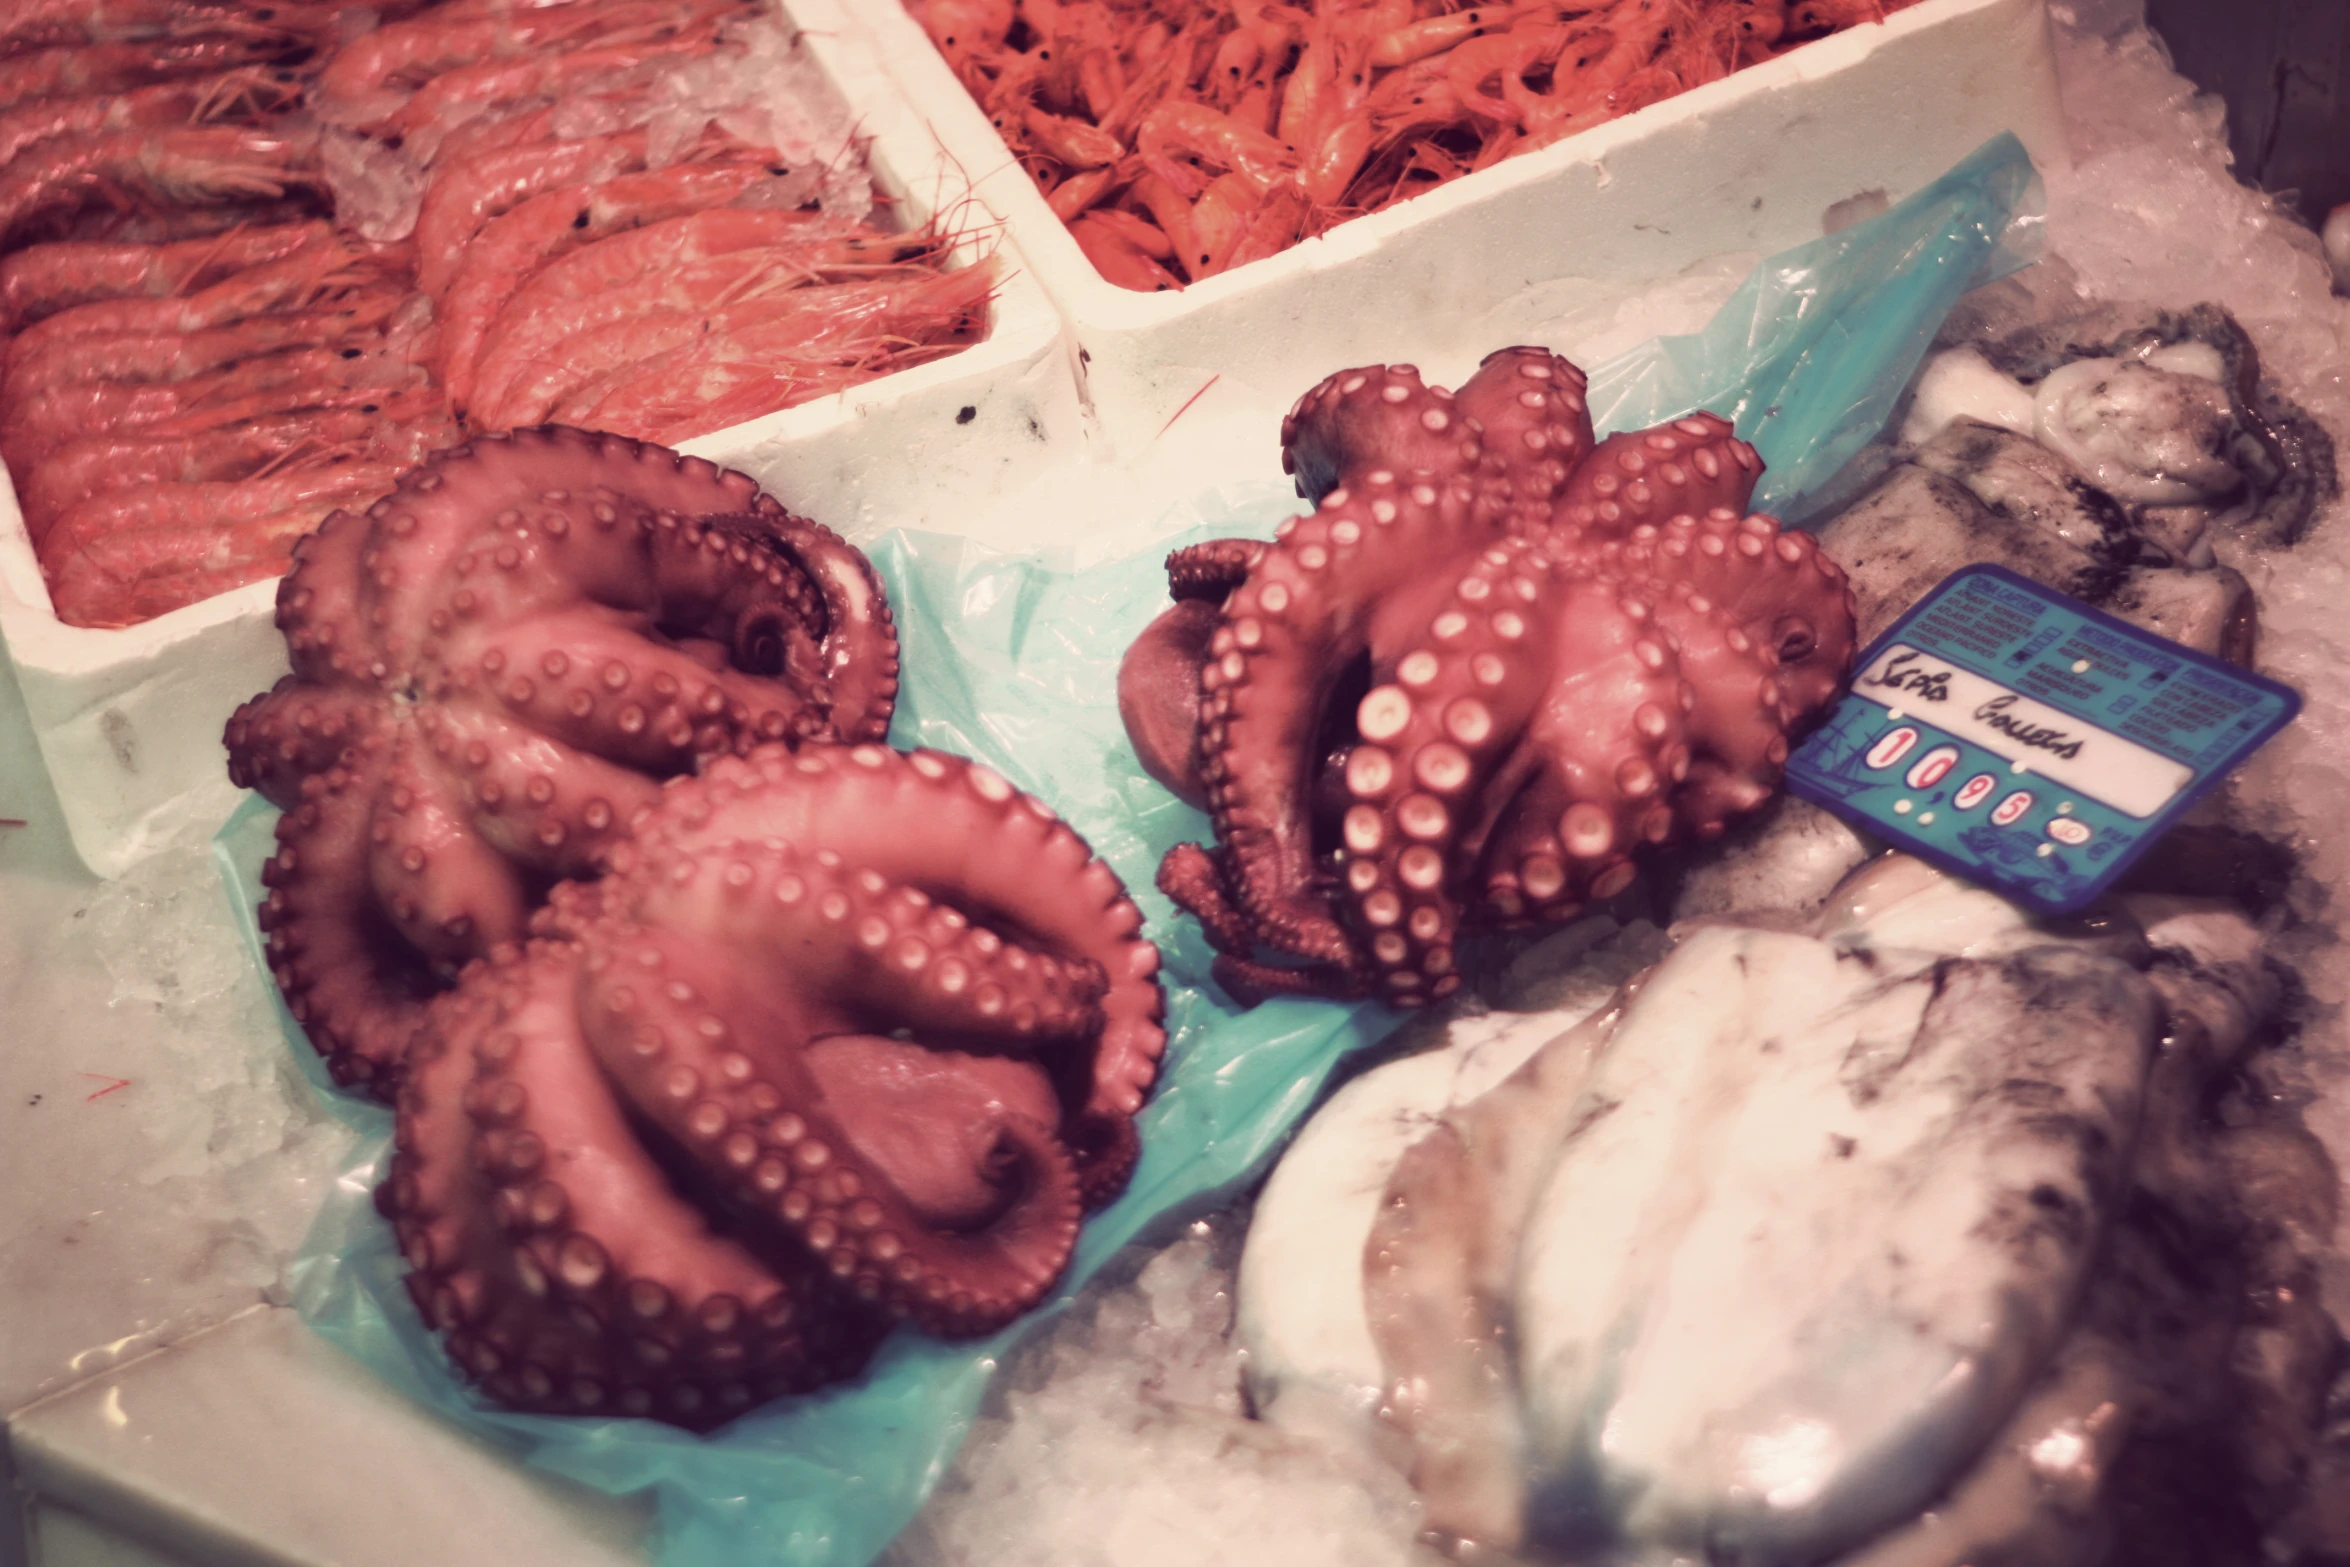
230,95
290,282
515,244
462,91
558,381
461,201
361,85
127,556
32,427
543,312
93,464
188,165
76,71
789,358
41,280
1175,130
1119,258
45,24
176,355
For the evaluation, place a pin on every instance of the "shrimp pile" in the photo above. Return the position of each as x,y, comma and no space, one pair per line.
1181,138
255,259
617,228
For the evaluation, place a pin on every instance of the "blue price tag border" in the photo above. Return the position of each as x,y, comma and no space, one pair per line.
2208,775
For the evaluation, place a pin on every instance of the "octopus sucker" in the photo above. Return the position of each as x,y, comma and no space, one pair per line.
494,666
541,1235
846,1036
1496,660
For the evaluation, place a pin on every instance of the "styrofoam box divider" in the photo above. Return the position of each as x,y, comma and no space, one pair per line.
129,721
1748,164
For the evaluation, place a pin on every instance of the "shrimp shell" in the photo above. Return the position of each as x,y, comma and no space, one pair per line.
129,555
186,165
41,280
516,243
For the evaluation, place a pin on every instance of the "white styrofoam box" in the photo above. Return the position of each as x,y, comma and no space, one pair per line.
129,721
1748,164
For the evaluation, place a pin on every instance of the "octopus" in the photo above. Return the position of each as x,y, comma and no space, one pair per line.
494,668
1911,1235
846,1037
1498,660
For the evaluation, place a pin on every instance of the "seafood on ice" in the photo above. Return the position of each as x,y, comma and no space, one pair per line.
1179,141
1498,661
1904,1236
251,265
722,1036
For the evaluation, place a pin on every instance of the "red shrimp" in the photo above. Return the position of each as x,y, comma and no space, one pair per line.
515,244
277,383
96,463
62,347
559,380
863,329
964,30
460,92
1119,258
541,313
230,95
45,24
461,201
175,356
74,72
1433,35
189,165
41,280
130,555
1176,130
363,83
1079,192
1073,142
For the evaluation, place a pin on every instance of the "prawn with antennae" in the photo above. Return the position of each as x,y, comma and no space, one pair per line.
188,165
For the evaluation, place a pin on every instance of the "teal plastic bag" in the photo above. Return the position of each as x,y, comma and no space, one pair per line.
1013,660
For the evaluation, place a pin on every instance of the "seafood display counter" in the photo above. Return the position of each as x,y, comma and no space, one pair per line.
129,718
2105,1149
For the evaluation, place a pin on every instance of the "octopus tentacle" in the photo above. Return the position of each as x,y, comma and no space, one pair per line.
844,1158
1289,634
1688,465
1211,570
359,997
539,626
444,889
557,1254
556,812
1778,586
289,731
1632,655
679,1153
1433,730
962,835
1528,407
856,657
1605,749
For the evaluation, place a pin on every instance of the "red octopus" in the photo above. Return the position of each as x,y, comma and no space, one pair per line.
1496,660
493,669
722,1037
847,1036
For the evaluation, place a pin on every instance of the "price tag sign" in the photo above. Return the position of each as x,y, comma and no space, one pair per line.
2018,737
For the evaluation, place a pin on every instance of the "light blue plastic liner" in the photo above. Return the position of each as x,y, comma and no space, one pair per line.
1014,661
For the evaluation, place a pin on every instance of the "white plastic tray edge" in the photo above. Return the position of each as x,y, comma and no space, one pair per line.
1885,107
